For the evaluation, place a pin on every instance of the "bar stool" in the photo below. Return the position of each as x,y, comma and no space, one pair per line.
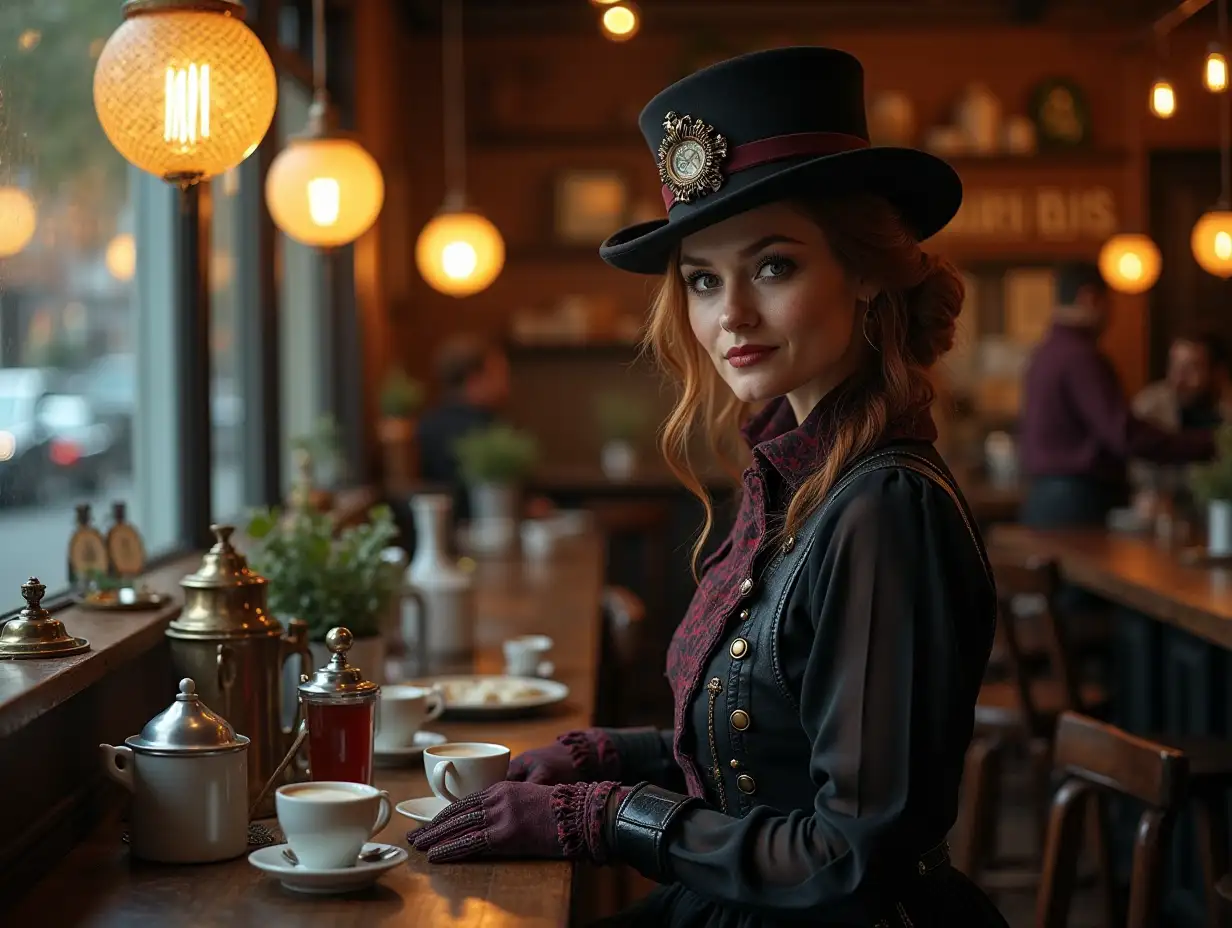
1017,711
1163,776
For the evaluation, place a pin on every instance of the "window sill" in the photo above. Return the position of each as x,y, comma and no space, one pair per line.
31,688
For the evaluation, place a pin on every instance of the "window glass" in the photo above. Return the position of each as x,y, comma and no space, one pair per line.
87,389
228,307
304,399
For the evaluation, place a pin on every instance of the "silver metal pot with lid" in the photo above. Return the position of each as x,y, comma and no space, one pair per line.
188,773
226,639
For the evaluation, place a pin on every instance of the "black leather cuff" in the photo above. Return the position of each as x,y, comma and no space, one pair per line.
642,823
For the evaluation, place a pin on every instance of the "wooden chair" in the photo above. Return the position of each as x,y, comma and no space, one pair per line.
1096,757
1018,708
624,622
1163,774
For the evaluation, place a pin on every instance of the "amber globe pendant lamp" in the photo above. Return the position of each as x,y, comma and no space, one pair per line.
459,252
324,189
186,91
1211,239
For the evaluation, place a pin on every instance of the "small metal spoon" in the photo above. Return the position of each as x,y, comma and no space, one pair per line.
367,857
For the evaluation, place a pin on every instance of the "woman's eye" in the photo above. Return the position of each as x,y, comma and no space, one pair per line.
701,281
773,267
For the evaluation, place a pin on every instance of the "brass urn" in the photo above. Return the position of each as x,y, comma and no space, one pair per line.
227,641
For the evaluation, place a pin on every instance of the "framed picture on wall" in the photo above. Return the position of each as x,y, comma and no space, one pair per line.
590,205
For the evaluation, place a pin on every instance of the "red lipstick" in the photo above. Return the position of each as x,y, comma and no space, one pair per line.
748,355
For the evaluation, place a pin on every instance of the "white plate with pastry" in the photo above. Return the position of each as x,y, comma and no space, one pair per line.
475,696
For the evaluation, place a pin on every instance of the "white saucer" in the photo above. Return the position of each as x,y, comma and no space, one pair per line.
343,880
424,809
423,739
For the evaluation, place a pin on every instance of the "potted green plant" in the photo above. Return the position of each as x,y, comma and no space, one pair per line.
622,423
401,399
319,463
494,461
330,578
1212,483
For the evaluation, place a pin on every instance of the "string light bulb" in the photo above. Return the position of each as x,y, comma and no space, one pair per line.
1163,99
1130,262
620,22
121,257
1211,241
1215,70
20,220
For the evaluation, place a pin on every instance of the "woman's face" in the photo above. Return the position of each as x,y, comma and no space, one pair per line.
771,306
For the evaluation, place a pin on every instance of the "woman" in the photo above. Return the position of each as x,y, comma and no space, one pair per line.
826,672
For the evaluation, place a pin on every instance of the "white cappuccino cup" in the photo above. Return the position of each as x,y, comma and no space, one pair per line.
327,823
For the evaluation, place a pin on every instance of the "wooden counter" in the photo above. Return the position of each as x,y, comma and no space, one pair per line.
1137,573
98,885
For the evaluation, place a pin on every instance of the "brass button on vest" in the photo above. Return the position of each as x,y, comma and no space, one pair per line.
746,586
739,648
746,784
740,720
744,615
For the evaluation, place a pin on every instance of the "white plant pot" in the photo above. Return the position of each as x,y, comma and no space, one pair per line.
1219,528
494,516
618,460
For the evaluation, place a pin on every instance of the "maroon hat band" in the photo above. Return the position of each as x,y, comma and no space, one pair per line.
780,148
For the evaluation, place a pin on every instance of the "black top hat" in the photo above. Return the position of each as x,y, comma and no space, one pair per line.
768,126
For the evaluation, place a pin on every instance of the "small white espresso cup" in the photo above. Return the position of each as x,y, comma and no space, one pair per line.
524,656
460,768
327,823
401,711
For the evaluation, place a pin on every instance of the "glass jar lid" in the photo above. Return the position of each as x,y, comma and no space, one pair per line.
338,679
186,727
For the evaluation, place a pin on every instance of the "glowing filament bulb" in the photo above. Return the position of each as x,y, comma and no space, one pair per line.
324,200
1163,99
1215,74
1223,245
186,105
459,260
1130,266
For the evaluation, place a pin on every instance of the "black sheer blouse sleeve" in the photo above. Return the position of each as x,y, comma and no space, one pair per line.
886,694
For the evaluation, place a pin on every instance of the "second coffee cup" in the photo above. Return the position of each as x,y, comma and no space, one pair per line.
460,768
401,711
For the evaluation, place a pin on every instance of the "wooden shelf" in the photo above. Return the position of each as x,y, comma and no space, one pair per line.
623,141
548,350
1059,158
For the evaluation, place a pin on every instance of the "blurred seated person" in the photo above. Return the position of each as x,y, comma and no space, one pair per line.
473,374
1077,431
1195,393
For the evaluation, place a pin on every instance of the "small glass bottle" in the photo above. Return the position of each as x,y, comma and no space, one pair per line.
87,552
340,713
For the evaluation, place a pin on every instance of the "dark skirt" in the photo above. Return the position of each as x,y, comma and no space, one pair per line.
945,899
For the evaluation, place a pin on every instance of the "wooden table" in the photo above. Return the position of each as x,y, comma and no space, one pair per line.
1135,572
97,884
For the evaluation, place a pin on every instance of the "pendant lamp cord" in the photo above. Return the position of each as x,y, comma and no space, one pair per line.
454,117
1225,119
318,48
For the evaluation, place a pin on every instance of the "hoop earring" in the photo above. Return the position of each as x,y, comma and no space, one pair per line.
864,328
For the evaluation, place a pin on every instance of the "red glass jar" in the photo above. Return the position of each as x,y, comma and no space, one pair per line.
340,713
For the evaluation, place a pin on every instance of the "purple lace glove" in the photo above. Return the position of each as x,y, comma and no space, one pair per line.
521,820
574,757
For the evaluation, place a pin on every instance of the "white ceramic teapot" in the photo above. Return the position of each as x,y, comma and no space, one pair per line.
188,773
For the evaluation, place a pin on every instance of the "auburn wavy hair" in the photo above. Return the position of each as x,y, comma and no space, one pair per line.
911,321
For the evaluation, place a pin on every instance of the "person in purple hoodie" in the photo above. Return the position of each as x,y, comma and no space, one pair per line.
1077,432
